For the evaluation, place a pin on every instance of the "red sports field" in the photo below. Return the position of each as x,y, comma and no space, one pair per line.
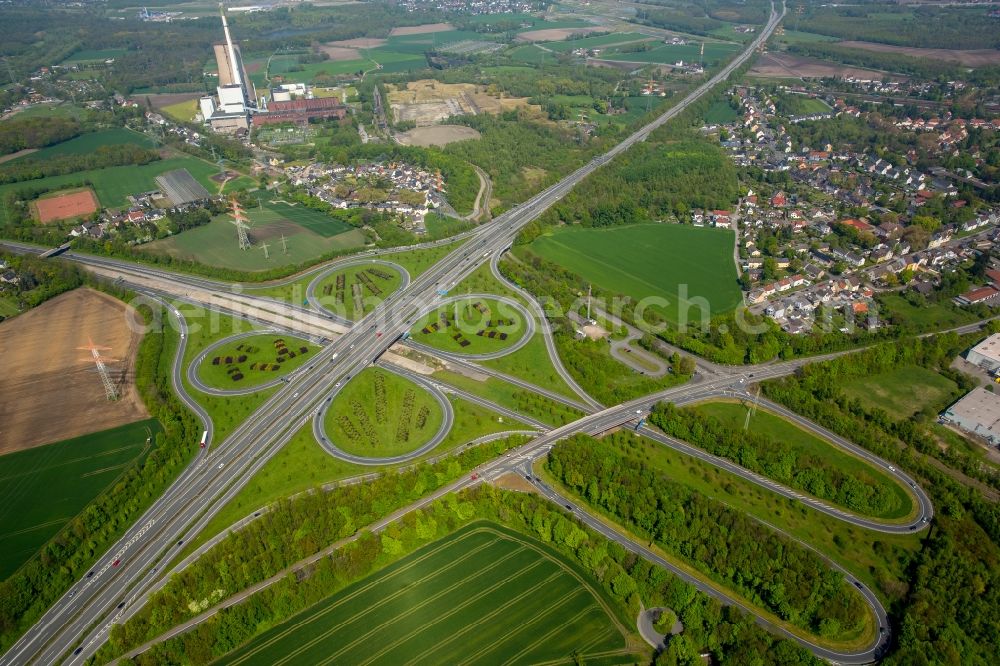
65,206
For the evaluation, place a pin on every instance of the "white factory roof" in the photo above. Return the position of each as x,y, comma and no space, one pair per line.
979,407
989,348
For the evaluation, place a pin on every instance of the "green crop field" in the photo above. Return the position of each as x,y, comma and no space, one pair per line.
686,265
597,42
93,55
265,357
442,605
380,414
42,488
902,392
307,233
452,326
87,143
776,427
182,111
370,279
671,53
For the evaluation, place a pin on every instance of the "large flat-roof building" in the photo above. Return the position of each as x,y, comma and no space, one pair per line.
978,413
986,354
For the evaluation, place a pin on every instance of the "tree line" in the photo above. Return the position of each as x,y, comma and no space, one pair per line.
38,279
770,570
101,157
777,459
952,607
22,133
292,530
622,579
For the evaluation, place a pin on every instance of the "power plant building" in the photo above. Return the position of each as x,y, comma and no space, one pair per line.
235,107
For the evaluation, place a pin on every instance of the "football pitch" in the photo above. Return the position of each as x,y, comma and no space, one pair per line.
481,595
688,266
44,487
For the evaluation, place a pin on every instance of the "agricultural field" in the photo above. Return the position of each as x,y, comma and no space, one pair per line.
87,143
380,414
902,392
50,371
776,65
184,111
254,360
599,41
356,291
668,54
92,55
308,235
692,268
734,414
44,487
441,604
472,326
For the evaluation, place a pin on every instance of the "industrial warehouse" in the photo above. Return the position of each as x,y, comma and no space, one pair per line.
236,106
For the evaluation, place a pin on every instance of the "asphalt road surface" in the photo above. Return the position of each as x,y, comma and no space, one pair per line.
121,579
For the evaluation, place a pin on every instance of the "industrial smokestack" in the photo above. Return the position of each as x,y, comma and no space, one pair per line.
234,68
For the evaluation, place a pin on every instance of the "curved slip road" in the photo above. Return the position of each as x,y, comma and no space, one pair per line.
317,303
529,328
195,380
447,421
252,443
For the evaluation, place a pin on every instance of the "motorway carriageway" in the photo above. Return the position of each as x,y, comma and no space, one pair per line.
183,511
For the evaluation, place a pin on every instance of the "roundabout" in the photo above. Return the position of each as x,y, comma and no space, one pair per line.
381,417
473,326
348,291
247,362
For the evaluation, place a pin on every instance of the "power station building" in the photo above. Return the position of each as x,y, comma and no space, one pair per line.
236,97
235,105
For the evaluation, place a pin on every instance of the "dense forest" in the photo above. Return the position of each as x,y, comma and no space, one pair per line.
953,606
103,156
733,549
521,154
778,460
20,133
665,176
922,26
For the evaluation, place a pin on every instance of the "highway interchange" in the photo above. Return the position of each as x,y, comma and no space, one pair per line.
76,625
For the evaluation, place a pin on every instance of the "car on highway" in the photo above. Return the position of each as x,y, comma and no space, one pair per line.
378,334
90,574
77,651
116,563
221,464
474,476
